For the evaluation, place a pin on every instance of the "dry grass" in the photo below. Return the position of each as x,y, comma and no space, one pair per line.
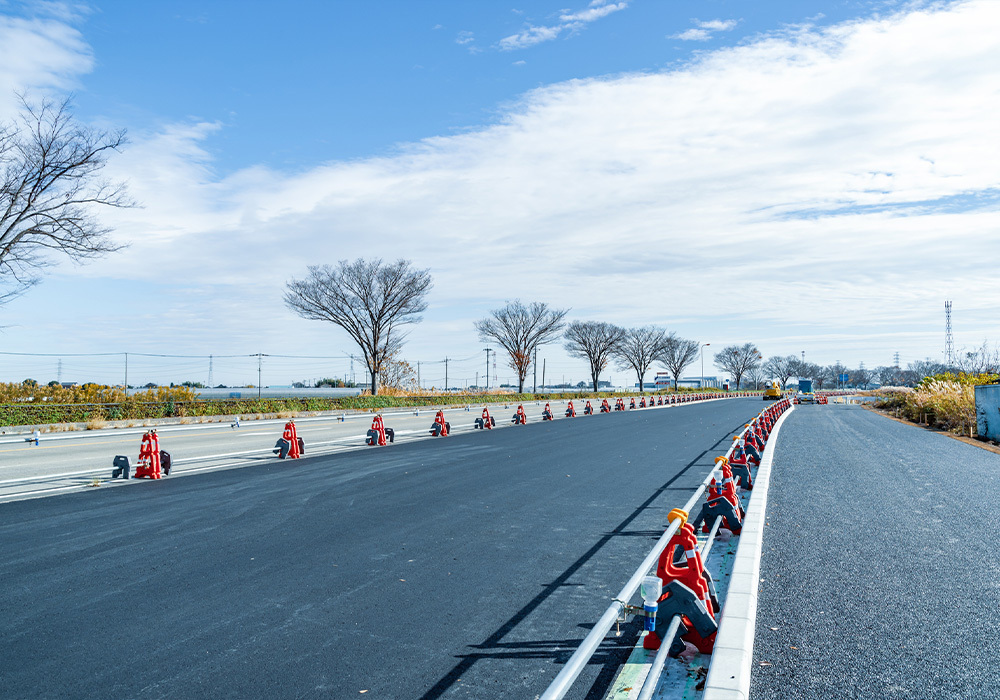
287,414
942,402
96,424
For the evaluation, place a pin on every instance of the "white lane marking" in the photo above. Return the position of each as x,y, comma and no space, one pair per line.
338,441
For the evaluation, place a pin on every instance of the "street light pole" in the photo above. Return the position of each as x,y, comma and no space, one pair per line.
701,383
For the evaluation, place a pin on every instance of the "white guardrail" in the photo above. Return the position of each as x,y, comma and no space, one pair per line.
576,663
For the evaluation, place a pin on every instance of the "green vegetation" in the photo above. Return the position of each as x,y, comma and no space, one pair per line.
31,405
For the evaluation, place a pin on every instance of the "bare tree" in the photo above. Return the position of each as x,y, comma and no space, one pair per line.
756,375
50,184
887,376
738,360
919,370
812,371
368,299
639,348
861,377
398,374
982,360
678,353
594,341
519,329
781,368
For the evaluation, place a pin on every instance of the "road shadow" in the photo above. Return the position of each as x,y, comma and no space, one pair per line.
612,652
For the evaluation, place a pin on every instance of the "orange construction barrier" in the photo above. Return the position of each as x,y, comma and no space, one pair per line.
692,575
519,418
292,436
148,466
377,433
441,426
487,421
570,412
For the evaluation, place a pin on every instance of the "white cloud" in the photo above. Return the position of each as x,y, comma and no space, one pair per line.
568,21
595,11
704,30
833,184
38,55
465,37
529,37
693,35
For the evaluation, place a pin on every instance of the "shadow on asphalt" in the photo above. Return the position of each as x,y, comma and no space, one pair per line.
613,651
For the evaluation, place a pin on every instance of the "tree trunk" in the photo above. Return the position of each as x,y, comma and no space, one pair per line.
640,382
374,383
594,377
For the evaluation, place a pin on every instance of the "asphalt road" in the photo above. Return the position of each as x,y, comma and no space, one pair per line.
467,566
881,563
69,461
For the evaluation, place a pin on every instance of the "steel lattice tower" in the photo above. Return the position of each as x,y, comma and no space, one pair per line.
949,341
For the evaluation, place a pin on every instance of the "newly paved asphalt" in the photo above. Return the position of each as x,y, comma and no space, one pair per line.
467,566
881,563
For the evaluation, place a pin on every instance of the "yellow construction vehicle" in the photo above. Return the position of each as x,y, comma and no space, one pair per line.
772,392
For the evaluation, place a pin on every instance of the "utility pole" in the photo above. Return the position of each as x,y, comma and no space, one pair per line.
260,358
210,380
534,379
543,374
419,385
701,382
126,373
487,368
59,371
446,374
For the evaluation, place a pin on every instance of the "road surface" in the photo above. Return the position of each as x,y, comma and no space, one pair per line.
467,566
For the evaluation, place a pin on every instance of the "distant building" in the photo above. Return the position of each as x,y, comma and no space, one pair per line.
662,380
697,383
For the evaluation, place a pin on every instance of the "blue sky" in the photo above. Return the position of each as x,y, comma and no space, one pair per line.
832,162
318,81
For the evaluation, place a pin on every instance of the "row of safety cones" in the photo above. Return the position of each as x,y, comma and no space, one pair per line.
378,434
688,588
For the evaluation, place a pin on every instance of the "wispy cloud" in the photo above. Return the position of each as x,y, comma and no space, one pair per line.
703,31
568,22
39,54
465,37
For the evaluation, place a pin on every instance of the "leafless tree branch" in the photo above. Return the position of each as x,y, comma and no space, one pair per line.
368,299
594,341
50,185
677,354
519,329
639,348
738,360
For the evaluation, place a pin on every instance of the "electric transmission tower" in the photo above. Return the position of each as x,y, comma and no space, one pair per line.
949,341
210,371
895,359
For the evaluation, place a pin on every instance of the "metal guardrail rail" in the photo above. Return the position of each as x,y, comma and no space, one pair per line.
588,647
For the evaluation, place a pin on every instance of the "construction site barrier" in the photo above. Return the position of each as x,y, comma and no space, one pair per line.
717,483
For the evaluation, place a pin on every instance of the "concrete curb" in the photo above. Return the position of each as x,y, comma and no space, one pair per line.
732,658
